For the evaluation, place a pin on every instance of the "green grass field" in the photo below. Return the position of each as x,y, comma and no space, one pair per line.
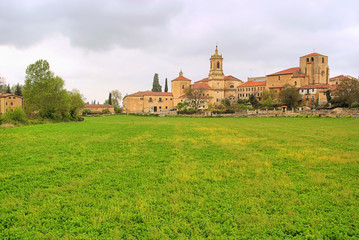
156,178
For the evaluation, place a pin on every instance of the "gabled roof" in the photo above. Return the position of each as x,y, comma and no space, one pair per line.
231,78
253,84
149,93
9,95
204,80
340,77
181,78
98,106
286,71
201,85
316,86
312,55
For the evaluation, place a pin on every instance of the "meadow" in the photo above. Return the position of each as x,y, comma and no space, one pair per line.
136,177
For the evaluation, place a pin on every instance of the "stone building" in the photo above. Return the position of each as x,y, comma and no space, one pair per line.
251,87
9,102
99,108
215,87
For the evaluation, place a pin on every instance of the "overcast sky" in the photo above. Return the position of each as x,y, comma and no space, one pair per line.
97,46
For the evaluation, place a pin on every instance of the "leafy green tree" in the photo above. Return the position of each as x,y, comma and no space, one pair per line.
116,98
156,87
254,102
44,92
166,86
289,96
110,98
268,102
346,92
76,103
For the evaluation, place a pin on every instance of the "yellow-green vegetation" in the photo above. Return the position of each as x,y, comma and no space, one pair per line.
138,177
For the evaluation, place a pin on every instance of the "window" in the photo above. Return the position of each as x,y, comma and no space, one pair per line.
307,59
11,103
166,107
312,59
218,65
182,86
312,97
279,78
160,100
166,99
322,59
9,97
217,100
141,98
171,99
159,107
307,98
231,86
13,98
150,99
295,83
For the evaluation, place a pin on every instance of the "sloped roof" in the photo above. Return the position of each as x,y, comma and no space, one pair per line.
276,86
181,78
312,55
202,81
286,71
9,95
231,78
98,106
201,85
253,84
149,93
316,86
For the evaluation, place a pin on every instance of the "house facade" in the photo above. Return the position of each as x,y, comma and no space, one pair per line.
8,102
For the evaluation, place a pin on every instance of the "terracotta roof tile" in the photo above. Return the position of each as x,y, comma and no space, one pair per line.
317,86
201,85
181,78
204,80
231,78
312,54
286,71
149,93
276,86
253,84
98,106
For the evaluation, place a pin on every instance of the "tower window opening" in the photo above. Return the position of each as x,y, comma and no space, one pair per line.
295,83
322,59
312,59
307,59
218,65
182,86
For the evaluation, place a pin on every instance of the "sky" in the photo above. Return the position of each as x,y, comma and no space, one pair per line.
98,46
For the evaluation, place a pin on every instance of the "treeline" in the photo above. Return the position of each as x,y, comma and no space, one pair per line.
45,98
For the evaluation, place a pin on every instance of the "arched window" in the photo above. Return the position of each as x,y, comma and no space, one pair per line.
307,59
182,86
322,59
295,83
231,86
312,59
218,65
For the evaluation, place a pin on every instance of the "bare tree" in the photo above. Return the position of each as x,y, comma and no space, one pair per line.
195,96
116,97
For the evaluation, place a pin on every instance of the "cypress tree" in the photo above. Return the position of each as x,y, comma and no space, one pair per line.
156,87
110,99
166,86
8,89
18,90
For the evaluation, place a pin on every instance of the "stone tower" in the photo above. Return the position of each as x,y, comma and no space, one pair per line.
315,67
178,85
216,76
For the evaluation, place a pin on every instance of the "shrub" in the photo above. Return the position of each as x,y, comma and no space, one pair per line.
187,111
86,112
355,105
105,111
17,116
118,109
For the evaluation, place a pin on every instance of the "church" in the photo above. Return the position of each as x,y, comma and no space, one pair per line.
215,87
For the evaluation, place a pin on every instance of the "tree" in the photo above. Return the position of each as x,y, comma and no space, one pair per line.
109,99
2,84
16,89
76,103
195,96
116,98
346,93
289,96
44,92
166,86
254,102
156,87
8,90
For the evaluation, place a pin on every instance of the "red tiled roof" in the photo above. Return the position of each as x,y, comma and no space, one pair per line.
8,94
286,71
231,78
316,86
333,87
98,106
181,78
253,84
149,93
340,78
313,54
201,85
202,81
276,86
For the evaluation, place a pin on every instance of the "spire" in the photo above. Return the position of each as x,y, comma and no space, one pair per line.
216,52
181,73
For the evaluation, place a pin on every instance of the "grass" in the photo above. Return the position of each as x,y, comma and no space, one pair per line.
148,177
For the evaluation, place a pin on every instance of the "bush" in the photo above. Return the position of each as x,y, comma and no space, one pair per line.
17,116
86,112
118,110
355,105
187,111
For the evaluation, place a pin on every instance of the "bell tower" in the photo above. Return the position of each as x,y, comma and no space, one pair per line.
216,67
